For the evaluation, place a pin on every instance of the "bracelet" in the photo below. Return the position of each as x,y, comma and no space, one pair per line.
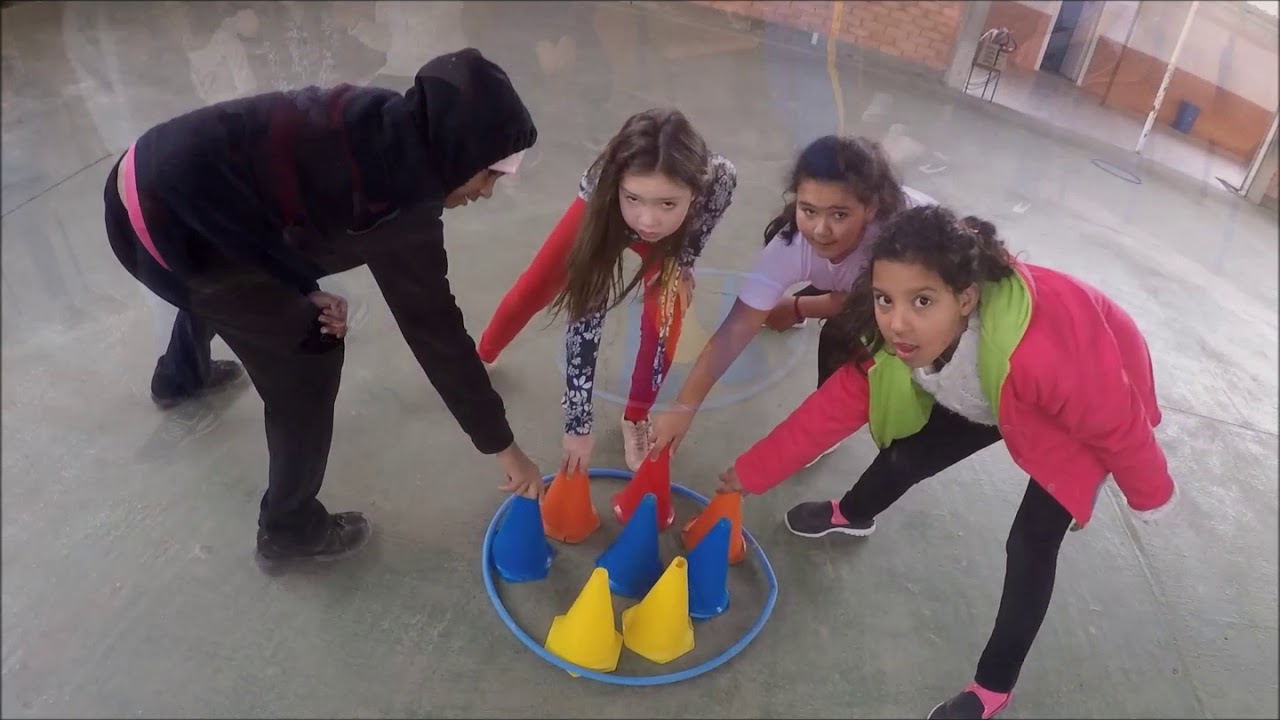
796,305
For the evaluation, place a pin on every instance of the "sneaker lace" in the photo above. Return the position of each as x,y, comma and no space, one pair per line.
638,434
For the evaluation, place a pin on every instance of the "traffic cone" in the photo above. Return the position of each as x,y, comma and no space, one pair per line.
653,477
658,628
587,635
708,573
632,559
727,505
567,512
520,550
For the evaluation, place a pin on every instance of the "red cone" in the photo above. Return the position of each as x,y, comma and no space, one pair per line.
654,476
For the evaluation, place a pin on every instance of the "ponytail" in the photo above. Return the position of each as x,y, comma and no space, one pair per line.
991,259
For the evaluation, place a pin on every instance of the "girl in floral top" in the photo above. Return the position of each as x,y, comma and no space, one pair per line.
655,189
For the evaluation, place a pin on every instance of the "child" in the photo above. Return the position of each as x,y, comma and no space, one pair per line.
843,190
657,191
954,346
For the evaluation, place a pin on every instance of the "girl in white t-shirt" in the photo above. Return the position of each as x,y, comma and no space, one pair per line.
841,191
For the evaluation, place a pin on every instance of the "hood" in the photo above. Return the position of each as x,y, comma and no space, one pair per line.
469,114
461,116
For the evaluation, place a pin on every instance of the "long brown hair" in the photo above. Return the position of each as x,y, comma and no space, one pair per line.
658,140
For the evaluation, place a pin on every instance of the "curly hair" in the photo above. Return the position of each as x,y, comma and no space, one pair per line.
963,252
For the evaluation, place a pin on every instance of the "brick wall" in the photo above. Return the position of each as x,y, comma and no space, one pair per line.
919,32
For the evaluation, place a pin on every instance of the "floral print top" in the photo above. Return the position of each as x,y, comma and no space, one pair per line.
582,338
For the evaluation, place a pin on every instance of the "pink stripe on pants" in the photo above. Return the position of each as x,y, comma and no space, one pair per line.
127,186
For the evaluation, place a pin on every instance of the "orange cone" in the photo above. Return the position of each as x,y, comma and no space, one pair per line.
567,512
728,505
653,477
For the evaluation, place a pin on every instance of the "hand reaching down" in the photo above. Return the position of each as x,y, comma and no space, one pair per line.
729,482
576,452
521,475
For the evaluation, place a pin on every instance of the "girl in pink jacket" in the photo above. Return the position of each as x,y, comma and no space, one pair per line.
952,345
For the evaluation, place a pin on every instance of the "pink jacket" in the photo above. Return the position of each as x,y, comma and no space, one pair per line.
1078,403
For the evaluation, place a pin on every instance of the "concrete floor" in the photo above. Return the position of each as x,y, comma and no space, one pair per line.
128,585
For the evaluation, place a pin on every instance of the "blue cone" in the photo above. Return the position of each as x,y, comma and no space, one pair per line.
709,572
632,560
521,552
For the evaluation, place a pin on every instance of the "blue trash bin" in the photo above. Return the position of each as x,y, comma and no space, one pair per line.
1186,117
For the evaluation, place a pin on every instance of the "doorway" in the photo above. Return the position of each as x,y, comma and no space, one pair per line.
1071,39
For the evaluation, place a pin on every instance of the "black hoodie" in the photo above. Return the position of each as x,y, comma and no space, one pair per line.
274,181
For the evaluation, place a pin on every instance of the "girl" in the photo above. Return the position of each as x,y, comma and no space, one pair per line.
657,191
842,191
954,346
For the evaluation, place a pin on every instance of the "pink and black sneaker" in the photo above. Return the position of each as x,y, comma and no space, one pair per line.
973,703
815,519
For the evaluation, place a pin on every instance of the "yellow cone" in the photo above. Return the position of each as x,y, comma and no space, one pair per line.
586,635
658,628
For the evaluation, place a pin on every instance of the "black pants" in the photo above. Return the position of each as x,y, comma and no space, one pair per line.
264,324
826,346
1032,547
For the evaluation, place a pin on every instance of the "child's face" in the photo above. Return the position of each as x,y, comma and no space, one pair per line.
653,205
830,218
918,315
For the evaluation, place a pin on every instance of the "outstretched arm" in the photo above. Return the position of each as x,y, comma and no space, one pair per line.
830,414
730,339
412,275
777,267
728,342
582,349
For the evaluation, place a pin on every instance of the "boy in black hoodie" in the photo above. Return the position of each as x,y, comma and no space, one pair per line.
232,212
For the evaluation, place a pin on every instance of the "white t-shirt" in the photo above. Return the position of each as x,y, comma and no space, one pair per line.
786,262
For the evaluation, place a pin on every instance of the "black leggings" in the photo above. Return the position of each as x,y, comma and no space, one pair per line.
1032,548
826,345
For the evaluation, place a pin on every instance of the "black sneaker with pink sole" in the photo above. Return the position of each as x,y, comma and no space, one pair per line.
815,519
973,703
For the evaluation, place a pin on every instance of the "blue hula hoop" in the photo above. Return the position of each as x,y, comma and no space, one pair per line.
486,566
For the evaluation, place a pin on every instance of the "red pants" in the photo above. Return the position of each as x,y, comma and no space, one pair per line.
543,279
